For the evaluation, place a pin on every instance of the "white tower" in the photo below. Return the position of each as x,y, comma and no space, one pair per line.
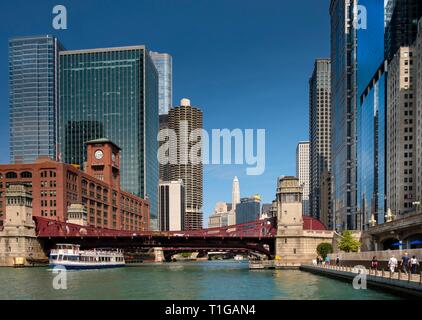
235,193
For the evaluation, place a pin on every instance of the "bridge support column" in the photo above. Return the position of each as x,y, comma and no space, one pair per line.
19,246
159,254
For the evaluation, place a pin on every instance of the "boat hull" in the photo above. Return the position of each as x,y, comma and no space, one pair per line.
86,267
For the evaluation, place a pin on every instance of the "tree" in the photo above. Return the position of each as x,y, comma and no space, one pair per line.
348,243
324,249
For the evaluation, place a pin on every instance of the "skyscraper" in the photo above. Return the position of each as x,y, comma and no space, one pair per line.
418,121
184,120
343,113
171,216
371,109
163,63
401,24
235,193
115,90
320,129
401,134
302,172
164,169
248,210
391,25
33,63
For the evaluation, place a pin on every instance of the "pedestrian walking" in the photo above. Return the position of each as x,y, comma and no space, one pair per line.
414,264
392,264
405,263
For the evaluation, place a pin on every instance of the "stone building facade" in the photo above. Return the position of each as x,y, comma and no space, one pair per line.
19,245
297,236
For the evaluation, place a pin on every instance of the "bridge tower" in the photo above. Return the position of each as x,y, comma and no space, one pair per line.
289,205
294,244
18,241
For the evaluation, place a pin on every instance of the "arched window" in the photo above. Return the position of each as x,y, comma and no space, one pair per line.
26,174
11,175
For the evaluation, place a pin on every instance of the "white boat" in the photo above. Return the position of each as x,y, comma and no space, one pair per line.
239,257
71,257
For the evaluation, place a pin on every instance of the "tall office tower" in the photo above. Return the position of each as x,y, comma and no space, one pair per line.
248,210
343,114
320,129
401,134
235,193
302,172
33,63
418,112
115,90
164,169
185,120
171,210
371,112
163,63
402,18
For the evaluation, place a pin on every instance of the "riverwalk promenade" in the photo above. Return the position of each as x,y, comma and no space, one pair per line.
399,282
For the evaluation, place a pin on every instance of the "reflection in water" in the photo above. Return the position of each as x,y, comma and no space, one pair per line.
213,280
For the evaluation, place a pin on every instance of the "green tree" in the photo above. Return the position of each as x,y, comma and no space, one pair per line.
324,249
348,243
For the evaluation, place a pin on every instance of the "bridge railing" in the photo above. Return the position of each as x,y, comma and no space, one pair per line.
52,228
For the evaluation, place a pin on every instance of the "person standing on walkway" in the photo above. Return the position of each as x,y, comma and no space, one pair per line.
374,263
327,260
414,264
392,264
337,261
405,263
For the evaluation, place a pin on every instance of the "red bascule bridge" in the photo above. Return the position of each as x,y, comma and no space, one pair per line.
255,237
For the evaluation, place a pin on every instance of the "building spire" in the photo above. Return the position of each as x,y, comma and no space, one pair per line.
235,193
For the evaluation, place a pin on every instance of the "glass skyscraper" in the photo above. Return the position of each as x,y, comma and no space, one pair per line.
371,138
33,97
112,93
343,113
163,63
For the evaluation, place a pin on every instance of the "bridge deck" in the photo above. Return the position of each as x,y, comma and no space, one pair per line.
46,228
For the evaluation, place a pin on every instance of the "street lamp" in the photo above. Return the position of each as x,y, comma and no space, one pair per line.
417,204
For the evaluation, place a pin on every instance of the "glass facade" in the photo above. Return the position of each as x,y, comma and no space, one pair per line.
163,63
370,48
371,137
112,93
343,114
33,97
371,154
402,18
248,210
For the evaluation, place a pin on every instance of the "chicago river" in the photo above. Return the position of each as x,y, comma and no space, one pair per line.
213,280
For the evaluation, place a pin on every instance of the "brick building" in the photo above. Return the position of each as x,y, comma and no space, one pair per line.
55,186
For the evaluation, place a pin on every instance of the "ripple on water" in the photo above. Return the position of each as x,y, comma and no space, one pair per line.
213,280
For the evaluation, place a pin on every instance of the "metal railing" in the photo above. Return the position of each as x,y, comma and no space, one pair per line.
398,274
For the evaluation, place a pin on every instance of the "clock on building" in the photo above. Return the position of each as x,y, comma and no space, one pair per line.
98,154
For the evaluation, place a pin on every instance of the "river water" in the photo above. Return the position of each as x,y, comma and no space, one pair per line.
213,280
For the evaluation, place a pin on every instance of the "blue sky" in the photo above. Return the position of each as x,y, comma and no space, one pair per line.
245,63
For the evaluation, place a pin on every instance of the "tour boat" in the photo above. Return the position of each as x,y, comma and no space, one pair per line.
70,256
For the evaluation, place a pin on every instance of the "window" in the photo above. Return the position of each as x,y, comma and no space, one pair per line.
11,175
26,174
